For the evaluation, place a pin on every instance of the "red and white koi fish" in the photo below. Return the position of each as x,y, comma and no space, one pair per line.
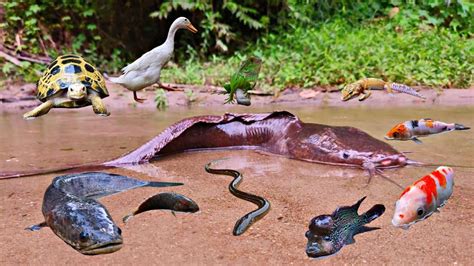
418,201
412,129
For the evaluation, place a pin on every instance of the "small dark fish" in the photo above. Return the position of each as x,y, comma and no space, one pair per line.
327,234
165,201
247,220
71,210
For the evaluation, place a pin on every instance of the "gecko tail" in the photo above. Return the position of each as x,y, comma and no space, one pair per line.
460,127
406,89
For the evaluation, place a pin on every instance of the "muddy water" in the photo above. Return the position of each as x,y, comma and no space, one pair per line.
297,190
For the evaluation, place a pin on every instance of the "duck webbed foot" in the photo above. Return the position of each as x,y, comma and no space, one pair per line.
135,97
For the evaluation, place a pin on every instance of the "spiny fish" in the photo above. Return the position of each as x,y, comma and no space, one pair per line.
418,201
165,201
412,129
327,234
71,210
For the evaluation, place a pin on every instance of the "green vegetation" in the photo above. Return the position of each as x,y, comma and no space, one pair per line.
302,43
161,100
323,56
190,96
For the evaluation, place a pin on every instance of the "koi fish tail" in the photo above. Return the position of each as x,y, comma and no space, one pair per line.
375,212
406,89
460,127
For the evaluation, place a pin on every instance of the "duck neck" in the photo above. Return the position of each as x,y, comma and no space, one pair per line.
171,33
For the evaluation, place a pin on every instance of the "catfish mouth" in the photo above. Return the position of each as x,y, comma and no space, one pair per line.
102,248
392,161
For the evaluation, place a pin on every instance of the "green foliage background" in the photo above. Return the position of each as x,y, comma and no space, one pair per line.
302,43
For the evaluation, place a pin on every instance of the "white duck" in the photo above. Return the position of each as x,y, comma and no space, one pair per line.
145,71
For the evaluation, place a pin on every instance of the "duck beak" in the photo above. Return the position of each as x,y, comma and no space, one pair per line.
191,28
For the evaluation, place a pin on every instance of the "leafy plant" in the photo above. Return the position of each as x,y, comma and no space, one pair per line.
190,96
244,79
161,100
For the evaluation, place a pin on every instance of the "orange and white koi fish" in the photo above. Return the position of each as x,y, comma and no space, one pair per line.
418,201
412,129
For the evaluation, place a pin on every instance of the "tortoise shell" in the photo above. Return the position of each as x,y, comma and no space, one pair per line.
68,69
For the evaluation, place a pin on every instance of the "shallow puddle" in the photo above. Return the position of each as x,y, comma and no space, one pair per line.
297,191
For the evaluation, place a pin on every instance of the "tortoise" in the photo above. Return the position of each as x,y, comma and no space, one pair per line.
70,82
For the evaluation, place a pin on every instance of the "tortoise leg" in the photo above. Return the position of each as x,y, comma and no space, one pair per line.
98,106
135,97
39,111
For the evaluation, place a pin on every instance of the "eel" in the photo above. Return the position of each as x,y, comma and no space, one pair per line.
70,208
247,220
279,133
165,201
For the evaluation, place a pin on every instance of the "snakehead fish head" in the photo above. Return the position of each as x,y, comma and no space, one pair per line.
86,226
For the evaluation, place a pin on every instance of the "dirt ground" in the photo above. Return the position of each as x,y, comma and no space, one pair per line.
297,190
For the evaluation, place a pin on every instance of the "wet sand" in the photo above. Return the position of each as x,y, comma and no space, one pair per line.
297,191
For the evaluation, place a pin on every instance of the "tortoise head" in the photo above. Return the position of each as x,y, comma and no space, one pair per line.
76,91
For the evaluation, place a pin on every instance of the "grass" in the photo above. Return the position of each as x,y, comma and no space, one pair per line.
336,53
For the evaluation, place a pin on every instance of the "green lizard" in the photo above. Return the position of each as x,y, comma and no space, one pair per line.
243,80
362,87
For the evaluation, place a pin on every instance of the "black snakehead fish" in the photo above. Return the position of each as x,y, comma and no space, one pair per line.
71,210
247,220
165,201
327,234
